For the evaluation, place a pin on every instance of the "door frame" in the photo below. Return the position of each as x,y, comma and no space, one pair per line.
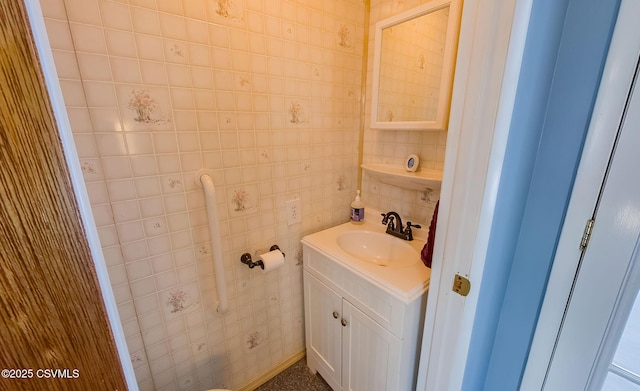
52,85
490,53
616,81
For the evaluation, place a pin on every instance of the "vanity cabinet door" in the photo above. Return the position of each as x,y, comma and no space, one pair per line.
371,355
323,330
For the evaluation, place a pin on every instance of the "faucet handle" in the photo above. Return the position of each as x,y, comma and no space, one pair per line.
387,218
392,225
409,225
408,231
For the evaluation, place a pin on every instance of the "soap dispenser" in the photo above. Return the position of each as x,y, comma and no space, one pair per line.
357,210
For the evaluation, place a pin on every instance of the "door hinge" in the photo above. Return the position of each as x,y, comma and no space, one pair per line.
586,235
461,285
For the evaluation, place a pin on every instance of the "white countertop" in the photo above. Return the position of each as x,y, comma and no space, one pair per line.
404,282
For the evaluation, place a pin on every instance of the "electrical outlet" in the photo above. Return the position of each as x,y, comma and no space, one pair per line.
294,211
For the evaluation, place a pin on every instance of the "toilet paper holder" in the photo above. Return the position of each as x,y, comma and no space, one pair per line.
246,258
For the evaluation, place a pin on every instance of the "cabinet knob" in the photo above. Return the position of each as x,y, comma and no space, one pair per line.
335,314
343,322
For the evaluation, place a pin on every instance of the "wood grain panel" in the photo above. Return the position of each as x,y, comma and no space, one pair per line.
51,312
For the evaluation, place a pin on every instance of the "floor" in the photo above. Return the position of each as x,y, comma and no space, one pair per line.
296,378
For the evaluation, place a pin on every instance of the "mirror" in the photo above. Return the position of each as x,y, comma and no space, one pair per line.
413,67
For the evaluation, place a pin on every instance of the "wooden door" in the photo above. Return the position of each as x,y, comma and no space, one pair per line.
53,326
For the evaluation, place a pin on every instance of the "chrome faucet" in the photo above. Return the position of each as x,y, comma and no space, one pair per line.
394,226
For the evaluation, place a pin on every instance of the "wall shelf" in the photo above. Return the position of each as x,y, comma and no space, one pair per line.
398,176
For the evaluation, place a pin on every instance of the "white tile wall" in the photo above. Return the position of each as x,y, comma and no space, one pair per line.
267,97
264,94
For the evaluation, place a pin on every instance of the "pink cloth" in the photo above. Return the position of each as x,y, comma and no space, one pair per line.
427,251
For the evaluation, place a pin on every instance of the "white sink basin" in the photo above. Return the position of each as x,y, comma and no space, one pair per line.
388,262
378,248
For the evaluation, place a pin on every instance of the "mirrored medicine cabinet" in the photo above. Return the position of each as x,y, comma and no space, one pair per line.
414,61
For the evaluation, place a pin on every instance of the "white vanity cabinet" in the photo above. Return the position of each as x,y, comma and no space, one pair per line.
359,336
346,346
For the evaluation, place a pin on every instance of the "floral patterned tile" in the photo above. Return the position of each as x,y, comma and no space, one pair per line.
144,108
297,114
346,36
256,338
242,200
91,170
343,182
180,300
226,11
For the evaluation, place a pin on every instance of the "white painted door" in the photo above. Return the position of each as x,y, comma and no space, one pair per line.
587,329
490,49
323,312
371,354
607,278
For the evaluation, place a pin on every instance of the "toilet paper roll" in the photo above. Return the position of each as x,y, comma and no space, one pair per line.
272,260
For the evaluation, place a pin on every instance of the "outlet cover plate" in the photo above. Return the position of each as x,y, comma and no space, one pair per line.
293,209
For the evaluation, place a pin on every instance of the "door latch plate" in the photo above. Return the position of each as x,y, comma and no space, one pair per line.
461,285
